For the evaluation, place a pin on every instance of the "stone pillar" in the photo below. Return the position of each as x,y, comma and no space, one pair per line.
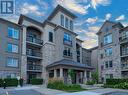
85,76
55,73
77,78
61,72
24,58
90,75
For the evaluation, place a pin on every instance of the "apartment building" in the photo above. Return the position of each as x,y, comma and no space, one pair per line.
112,51
10,49
49,49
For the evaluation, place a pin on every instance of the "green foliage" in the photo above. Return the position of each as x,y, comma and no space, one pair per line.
90,82
11,82
121,85
59,85
71,72
1,82
95,77
115,81
36,81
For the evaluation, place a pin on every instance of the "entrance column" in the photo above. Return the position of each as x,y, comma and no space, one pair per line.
61,72
55,73
85,76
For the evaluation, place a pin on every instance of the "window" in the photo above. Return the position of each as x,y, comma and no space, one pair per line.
71,25
67,37
108,52
12,48
67,52
11,75
62,20
108,64
108,39
66,22
109,76
12,62
50,37
13,33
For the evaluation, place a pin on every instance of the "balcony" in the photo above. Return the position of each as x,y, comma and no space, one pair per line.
34,41
123,39
78,53
34,68
124,66
124,53
67,54
34,54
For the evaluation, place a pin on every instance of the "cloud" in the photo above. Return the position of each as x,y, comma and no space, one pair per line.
31,9
89,43
96,3
74,5
89,36
108,16
92,20
121,17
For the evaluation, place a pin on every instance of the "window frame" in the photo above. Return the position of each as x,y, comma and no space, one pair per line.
106,39
13,49
13,60
50,35
13,33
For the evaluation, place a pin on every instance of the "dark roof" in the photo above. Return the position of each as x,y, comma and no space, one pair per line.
60,8
107,21
9,22
69,63
26,17
79,40
94,48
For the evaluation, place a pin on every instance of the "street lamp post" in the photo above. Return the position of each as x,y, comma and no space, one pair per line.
18,78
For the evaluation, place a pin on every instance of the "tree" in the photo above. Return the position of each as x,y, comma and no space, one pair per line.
95,77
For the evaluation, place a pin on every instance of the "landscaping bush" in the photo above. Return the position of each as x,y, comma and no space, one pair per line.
59,85
36,81
121,85
90,82
1,82
115,81
11,82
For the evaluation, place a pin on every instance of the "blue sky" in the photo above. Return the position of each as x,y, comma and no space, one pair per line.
91,14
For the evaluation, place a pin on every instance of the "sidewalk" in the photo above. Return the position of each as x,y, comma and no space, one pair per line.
47,91
40,88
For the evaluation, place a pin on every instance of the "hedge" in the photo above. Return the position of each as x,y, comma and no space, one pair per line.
36,81
1,82
10,82
60,85
115,81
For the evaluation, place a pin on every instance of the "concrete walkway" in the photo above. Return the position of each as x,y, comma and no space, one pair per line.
41,89
107,90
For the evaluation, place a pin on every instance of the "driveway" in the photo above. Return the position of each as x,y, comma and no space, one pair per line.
24,92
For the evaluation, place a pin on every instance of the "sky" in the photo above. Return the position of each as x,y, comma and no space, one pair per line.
91,14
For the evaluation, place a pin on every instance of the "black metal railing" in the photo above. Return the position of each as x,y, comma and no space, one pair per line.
34,53
34,40
34,67
124,65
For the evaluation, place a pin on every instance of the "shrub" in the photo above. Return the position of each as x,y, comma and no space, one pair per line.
90,82
59,84
1,82
36,81
11,82
115,81
121,85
